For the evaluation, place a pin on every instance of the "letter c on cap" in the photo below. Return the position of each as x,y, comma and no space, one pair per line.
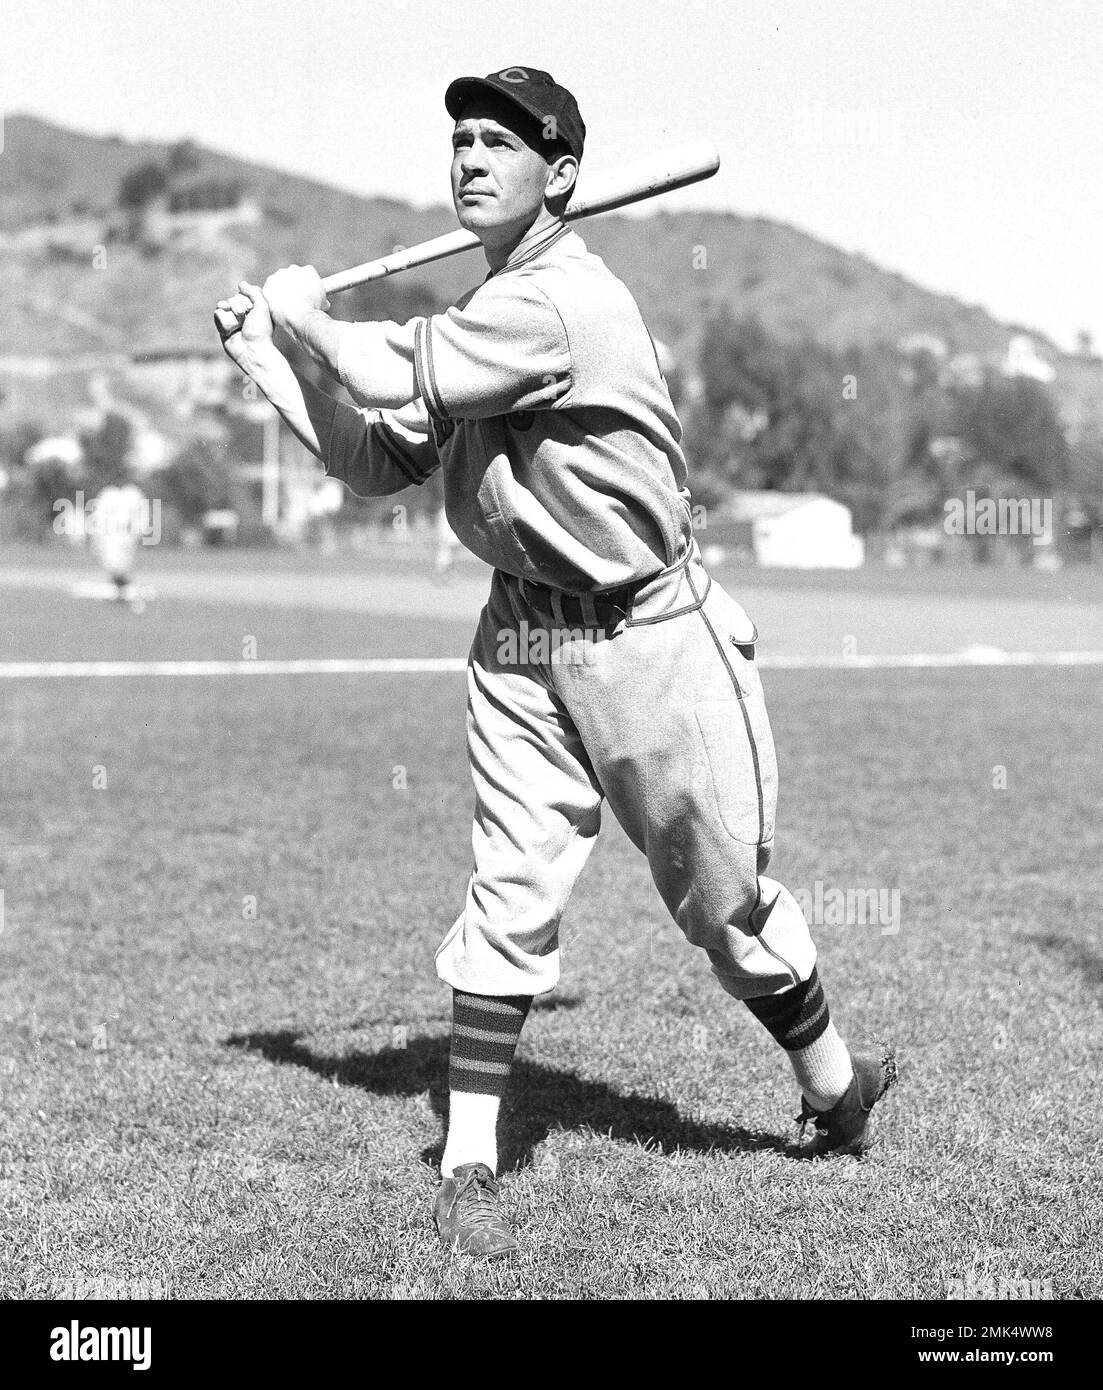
514,75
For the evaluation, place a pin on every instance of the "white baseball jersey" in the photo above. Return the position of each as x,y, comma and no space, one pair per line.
118,520
540,395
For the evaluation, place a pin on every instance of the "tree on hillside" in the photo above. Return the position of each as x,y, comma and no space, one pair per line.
203,194
141,185
882,403
183,158
795,417
196,481
867,428
1085,474
1012,438
47,483
34,487
740,368
1086,471
802,447
739,362
16,442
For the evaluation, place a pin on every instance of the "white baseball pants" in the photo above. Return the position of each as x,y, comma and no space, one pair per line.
660,713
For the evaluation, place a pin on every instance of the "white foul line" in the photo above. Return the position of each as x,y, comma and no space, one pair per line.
983,656
422,665
366,666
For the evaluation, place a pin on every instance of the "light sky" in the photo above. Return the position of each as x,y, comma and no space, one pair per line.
957,141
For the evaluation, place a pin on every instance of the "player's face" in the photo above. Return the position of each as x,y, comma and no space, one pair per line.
498,179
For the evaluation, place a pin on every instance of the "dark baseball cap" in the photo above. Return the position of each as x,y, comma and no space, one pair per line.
534,92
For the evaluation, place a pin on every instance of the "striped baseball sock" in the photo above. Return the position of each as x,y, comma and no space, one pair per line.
485,1032
800,1021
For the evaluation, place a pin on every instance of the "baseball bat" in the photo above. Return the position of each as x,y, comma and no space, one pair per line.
616,188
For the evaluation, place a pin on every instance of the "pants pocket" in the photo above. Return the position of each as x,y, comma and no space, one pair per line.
739,747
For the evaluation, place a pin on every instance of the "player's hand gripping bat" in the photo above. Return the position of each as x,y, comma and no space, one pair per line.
646,178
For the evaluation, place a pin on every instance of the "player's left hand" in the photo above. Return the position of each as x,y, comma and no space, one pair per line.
244,324
294,292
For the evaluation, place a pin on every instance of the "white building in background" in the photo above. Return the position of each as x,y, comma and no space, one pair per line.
795,530
1023,359
58,448
930,343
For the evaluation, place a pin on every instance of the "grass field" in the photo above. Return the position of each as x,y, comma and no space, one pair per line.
223,1048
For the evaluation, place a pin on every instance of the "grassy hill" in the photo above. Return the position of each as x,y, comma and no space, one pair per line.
59,304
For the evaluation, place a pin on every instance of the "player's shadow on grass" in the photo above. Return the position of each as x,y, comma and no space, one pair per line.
541,1099
1088,963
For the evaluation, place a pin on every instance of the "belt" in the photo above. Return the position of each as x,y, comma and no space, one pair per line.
604,608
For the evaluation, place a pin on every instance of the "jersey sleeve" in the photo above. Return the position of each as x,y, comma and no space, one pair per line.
375,362
505,349
376,452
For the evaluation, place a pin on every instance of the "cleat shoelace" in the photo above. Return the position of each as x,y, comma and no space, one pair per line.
807,1117
476,1199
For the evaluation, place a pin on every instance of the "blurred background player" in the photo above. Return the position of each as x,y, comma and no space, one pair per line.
117,523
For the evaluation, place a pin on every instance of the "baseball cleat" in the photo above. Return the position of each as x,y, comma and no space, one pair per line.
468,1216
842,1129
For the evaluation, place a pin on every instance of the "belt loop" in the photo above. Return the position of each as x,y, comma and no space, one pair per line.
557,608
589,612
630,617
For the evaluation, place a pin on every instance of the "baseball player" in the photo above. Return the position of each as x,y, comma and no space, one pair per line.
119,517
608,665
